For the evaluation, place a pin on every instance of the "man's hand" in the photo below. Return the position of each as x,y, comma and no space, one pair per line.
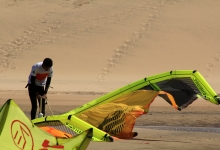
44,96
38,95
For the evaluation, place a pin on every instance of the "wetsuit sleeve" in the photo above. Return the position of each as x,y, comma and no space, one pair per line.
51,72
47,84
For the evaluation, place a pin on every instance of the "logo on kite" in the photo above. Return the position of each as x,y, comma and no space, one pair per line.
113,123
21,135
46,145
199,86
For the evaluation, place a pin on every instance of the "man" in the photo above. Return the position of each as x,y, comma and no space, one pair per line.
40,77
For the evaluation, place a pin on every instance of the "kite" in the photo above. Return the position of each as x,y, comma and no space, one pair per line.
116,112
18,132
72,125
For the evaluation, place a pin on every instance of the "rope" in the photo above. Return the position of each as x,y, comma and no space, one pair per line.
49,106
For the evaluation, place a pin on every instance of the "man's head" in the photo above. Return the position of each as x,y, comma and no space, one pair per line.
47,64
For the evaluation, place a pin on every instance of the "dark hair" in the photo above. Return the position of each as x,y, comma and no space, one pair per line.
48,62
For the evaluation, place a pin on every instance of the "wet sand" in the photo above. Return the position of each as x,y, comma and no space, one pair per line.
150,139
152,129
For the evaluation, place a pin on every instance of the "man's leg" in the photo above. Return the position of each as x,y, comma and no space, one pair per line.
41,92
42,105
32,95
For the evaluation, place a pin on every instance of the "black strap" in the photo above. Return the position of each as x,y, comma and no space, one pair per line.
27,85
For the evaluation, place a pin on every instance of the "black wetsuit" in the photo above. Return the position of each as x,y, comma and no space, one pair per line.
32,90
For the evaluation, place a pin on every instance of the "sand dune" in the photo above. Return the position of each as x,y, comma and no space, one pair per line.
99,46
108,44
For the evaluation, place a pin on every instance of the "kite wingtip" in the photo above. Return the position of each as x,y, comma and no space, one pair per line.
218,100
194,71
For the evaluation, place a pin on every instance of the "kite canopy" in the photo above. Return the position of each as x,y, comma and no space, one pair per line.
18,132
118,116
117,111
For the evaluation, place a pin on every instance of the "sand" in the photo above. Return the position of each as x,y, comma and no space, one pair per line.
98,46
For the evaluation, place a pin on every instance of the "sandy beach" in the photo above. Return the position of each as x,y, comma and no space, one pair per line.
99,46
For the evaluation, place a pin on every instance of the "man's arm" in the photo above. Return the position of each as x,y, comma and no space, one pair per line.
47,85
